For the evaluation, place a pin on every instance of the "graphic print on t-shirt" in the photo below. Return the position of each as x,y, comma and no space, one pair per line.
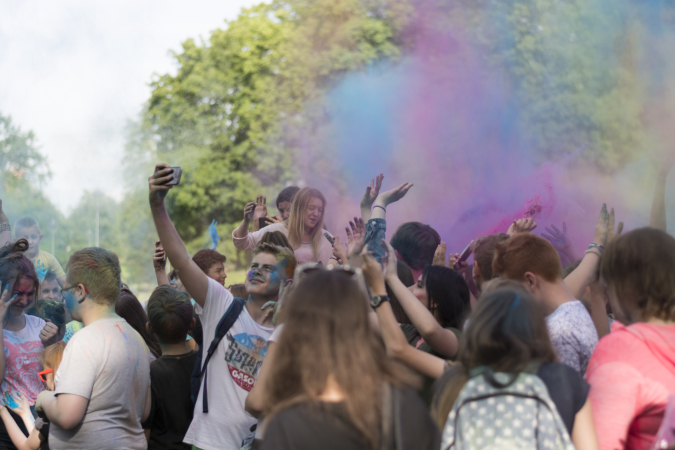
23,363
244,357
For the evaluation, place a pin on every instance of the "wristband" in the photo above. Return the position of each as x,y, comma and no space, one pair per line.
599,247
378,206
594,251
5,227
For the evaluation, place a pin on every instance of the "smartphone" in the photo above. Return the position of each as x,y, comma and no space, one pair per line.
177,173
330,239
263,222
464,256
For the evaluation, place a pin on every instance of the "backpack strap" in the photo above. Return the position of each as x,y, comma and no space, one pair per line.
226,322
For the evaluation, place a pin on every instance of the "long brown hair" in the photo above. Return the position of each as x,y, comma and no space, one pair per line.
296,221
327,336
14,265
506,332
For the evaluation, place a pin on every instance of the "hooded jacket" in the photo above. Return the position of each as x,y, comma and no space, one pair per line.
632,374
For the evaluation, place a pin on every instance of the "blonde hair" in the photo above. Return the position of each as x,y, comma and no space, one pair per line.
296,220
52,356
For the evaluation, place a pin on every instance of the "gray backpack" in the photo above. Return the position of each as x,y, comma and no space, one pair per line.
506,412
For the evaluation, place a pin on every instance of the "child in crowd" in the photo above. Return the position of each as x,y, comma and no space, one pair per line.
38,428
29,229
170,319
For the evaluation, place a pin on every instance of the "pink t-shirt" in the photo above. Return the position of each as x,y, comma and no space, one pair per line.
22,359
631,373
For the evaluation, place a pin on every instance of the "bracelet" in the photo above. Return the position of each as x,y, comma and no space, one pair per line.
599,247
5,227
378,206
594,251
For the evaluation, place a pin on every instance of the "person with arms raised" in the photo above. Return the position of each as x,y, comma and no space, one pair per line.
220,421
304,228
103,383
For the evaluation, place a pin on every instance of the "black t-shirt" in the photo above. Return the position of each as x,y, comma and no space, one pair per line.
567,389
43,427
171,411
309,427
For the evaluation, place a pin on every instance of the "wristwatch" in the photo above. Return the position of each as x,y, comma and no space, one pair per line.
376,300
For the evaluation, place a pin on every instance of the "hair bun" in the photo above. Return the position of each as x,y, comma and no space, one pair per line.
21,246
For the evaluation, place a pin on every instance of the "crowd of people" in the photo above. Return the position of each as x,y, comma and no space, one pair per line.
366,343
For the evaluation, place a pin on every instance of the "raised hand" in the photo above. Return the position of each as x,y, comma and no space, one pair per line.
439,255
260,208
391,266
41,270
356,236
249,210
157,183
159,258
393,195
602,227
49,334
340,251
6,302
557,238
611,231
522,226
213,232
372,192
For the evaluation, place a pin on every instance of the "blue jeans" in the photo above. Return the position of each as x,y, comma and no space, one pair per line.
375,233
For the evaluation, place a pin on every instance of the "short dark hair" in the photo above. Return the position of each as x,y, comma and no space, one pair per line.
276,238
206,258
238,290
448,292
51,276
640,267
170,314
26,222
416,243
287,194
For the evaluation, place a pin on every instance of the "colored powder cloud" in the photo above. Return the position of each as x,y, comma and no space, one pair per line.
481,133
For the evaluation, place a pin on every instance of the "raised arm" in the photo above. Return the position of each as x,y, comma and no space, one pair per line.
242,230
394,339
5,228
195,281
584,274
369,197
657,218
441,340
159,262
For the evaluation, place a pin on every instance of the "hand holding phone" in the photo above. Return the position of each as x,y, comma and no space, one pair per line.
464,256
177,174
330,239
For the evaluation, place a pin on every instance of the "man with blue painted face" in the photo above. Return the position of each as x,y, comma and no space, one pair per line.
103,382
234,366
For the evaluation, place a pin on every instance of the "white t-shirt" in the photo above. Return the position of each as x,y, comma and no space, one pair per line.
108,363
573,335
232,372
304,253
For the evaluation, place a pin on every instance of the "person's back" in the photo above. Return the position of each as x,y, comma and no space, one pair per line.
341,387
632,370
170,318
108,363
103,382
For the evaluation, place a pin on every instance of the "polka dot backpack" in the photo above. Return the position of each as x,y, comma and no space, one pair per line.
505,411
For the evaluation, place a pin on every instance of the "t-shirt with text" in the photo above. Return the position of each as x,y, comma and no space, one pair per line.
22,359
573,334
232,372
108,363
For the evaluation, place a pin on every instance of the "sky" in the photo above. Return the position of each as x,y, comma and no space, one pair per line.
75,72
